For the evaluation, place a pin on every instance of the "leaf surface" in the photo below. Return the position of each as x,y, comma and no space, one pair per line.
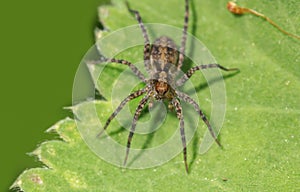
260,135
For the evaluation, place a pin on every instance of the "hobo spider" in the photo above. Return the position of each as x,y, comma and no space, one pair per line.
163,62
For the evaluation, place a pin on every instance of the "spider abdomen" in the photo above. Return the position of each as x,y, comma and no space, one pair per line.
163,54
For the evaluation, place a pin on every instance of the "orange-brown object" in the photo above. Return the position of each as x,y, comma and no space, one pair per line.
235,9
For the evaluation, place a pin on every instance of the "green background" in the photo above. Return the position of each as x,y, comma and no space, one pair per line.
42,43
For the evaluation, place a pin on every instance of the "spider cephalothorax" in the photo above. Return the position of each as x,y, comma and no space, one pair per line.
163,61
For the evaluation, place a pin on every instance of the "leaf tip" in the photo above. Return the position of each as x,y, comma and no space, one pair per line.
54,128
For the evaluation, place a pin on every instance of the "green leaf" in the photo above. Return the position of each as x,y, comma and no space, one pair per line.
260,134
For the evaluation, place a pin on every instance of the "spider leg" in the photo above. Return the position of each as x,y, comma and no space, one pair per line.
150,104
191,71
184,36
147,46
191,101
133,68
134,121
120,107
179,114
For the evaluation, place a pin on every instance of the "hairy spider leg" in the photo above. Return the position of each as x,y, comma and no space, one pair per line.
120,107
184,36
137,113
179,114
191,71
147,46
133,68
191,101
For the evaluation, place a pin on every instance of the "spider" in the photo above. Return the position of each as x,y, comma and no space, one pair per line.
163,62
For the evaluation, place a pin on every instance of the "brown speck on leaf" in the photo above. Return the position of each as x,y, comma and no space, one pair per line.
36,179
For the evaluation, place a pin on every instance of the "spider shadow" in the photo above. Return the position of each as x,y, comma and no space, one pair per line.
148,140
195,145
145,146
195,18
121,129
195,149
118,68
187,63
202,86
116,132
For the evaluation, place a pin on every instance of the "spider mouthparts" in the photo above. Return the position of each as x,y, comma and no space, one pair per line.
161,87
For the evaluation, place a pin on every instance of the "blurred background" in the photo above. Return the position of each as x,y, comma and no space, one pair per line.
42,43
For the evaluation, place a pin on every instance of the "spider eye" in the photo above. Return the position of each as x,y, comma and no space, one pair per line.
170,50
155,50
